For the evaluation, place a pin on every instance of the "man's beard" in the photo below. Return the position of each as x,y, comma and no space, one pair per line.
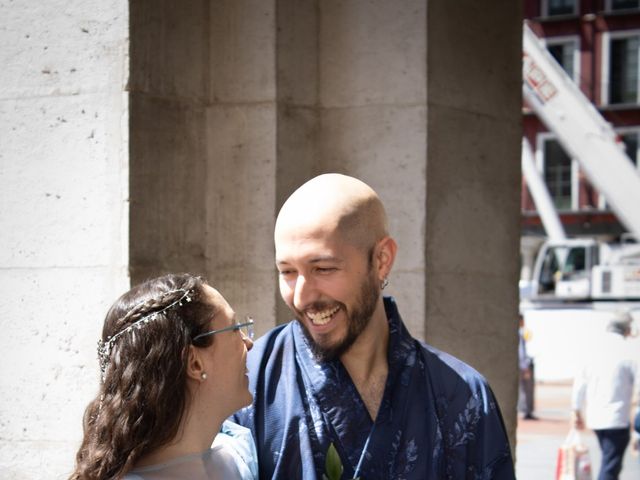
358,319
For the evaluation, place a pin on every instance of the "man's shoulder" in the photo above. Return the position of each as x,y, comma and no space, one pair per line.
450,370
443,370
278,332
274,342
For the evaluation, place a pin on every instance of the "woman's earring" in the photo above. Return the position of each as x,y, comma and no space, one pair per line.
384,283
203,376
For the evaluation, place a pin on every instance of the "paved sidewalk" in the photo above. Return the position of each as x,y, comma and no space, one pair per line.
538,440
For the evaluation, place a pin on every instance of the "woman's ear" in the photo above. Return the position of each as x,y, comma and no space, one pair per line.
195,366
385,256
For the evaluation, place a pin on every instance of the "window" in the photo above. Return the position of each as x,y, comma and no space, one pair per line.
550,265
575,263
613,5
552,8
620,66
570,189
623,81
558,174
566,51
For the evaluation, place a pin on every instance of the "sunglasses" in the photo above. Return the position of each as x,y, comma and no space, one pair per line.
245,328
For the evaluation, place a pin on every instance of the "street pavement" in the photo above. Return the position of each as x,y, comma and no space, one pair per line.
538,440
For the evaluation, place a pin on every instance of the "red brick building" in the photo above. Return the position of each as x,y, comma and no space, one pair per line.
598,43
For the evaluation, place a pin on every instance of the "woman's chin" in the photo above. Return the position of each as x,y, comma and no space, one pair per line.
245,400
248,399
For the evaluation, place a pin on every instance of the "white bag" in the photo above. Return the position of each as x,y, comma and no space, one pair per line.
573,459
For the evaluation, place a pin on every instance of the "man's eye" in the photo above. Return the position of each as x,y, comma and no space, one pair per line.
326,269
284,273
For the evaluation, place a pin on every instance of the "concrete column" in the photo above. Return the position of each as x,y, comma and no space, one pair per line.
473,187
63,220
169,88
203,123
241,140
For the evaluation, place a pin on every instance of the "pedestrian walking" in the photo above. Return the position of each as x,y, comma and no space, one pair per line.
604,389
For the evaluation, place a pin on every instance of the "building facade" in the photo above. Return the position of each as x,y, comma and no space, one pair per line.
597,42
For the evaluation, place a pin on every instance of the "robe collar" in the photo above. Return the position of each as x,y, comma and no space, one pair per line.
344,413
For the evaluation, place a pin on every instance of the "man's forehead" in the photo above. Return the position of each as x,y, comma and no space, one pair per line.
288,239
310,245
305,227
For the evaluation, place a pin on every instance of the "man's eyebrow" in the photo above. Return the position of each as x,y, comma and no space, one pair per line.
325,258
317,259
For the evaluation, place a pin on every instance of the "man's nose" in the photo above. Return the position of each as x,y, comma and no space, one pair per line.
304,292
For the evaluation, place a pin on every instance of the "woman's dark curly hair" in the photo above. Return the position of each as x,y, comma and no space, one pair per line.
143,396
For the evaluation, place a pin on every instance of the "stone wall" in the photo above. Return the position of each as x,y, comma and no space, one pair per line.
63,219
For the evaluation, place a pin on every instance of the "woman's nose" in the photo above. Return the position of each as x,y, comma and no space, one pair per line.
247,341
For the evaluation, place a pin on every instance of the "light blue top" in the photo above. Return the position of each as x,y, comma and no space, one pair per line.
231,457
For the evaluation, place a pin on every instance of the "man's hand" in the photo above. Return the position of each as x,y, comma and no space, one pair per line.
576,420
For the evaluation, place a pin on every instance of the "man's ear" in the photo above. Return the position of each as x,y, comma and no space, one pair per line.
385,256
195,366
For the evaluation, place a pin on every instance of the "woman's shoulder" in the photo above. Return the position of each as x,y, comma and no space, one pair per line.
216,463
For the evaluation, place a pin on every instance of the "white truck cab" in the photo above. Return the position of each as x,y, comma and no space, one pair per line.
585,270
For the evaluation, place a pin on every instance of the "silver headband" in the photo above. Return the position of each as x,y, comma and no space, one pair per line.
104,348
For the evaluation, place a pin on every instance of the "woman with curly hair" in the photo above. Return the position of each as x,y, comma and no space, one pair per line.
173,365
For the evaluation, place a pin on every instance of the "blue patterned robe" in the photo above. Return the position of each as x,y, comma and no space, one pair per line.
438,418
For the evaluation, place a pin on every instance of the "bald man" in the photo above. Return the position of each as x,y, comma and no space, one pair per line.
346,372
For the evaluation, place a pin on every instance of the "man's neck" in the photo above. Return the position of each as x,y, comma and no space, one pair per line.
366,361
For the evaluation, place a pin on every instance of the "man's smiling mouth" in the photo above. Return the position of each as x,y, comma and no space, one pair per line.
323,317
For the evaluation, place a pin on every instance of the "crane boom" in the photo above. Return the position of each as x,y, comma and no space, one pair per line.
540,193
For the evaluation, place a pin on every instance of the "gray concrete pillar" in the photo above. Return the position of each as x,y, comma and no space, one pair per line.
473,186
203,137
169,94
241,156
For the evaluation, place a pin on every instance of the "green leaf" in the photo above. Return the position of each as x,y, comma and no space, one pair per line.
333,464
